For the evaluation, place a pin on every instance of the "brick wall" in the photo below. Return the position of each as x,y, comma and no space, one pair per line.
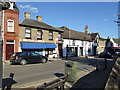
10,14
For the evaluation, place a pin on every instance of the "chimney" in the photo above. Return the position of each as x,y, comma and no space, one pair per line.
27,15
39,18
86,29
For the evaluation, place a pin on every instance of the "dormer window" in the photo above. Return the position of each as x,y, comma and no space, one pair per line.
10,26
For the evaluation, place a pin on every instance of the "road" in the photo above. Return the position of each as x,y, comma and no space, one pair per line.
28,74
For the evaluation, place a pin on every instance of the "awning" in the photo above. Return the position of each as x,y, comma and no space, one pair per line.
32,45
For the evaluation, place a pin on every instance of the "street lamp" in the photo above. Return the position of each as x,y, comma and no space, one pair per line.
4,4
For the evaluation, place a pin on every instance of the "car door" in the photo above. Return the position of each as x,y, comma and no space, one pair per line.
34,57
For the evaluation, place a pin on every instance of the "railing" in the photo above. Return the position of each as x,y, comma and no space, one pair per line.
57,83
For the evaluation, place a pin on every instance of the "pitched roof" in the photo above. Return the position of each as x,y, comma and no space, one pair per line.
116,40
93,35
75,34
37,24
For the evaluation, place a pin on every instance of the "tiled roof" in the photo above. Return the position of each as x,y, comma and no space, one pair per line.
116,40
75,34
37,24
93,35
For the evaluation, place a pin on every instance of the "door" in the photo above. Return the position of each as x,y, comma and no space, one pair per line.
81,51
35,57
60,49
9,50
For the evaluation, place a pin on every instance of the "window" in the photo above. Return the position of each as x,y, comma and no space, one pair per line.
50,51
59,36
39,34
28,33
50,35
10,26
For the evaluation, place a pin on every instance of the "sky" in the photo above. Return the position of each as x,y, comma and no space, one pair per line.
99,16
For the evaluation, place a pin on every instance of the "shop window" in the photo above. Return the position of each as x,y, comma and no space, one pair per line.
50,51
50,35
39,34
46,52
10,25
40,52
28,33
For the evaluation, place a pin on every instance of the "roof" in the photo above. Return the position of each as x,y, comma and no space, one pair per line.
93,35
15,8
75,34
37,24
116,40
102,38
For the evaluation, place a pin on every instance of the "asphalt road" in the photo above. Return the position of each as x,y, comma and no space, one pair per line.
30,73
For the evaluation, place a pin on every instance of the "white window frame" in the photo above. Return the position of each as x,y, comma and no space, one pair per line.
8,25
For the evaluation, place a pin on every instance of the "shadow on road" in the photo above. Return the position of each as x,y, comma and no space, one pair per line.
8,82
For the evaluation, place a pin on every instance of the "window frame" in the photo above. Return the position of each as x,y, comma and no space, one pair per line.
61,36
29,33
41,35
50,35
12,26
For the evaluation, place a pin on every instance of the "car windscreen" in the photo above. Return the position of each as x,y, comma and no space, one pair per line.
15,54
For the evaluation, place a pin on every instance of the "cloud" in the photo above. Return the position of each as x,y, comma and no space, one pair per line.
105,20
34,9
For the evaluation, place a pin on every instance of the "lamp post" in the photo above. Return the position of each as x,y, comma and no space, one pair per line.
4,4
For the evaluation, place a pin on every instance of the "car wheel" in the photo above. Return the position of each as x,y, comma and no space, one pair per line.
23,62
44,60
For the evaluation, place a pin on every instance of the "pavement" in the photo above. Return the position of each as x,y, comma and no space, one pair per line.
85,78
95,80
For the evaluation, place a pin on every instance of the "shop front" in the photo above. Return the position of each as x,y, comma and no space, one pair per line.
45,49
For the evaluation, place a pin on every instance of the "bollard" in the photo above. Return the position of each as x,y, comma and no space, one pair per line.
105,63
96,65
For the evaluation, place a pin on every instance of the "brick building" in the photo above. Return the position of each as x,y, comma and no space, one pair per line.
10,30
35,35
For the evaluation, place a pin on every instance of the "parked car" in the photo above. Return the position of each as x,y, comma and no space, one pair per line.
105,54
27,57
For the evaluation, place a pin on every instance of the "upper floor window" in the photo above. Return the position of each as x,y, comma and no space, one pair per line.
10,25
59,36
39,34
50,35
28,33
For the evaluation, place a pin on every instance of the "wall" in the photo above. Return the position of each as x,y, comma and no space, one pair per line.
45,37
113,82
101,46
78,43
10,14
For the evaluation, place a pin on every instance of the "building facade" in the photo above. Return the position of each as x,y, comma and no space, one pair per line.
76,43
10,30
101,43
35,35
